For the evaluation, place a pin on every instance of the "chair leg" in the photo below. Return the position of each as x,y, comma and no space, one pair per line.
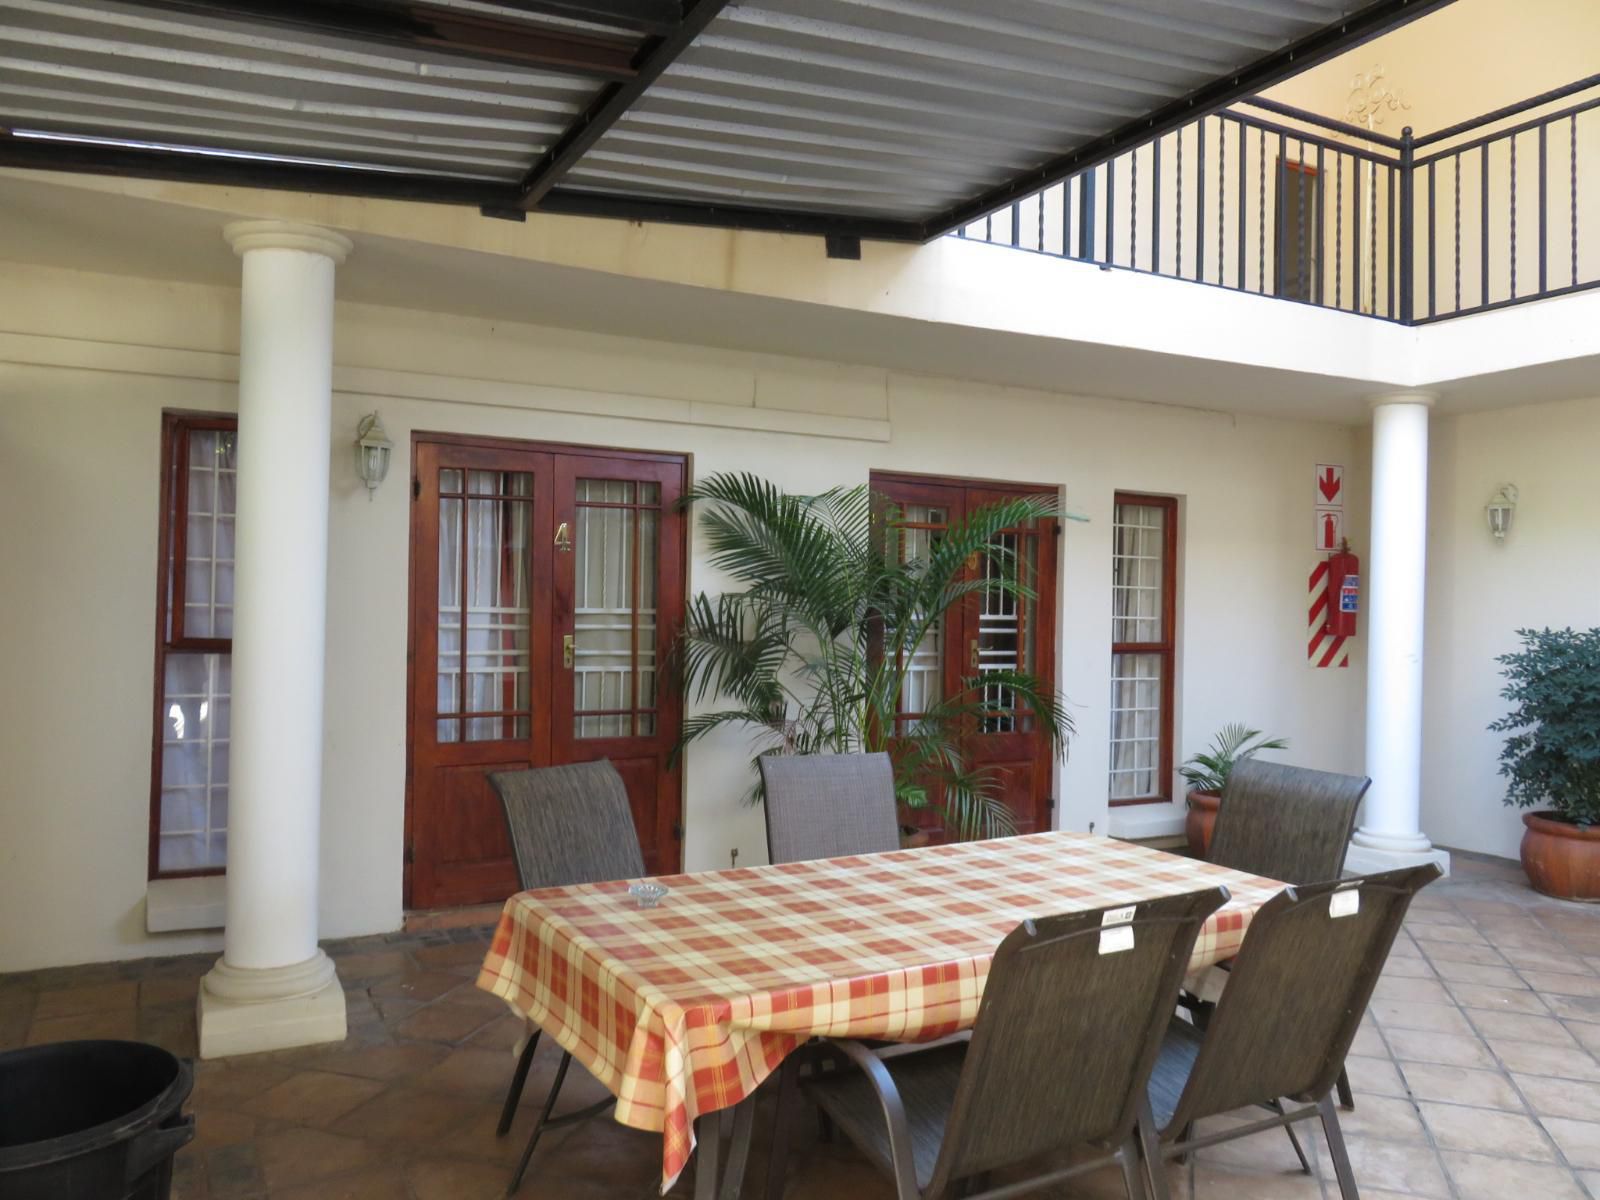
788,1099
1155,1167
1129,1157
1299,1151
524,1061
1347,1101
538,1127
1184,1135
1336,1149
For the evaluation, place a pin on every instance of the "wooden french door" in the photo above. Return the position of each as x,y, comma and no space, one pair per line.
989,631
547,584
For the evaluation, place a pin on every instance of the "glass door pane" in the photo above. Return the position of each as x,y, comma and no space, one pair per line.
485,527
614,539
917,531
1005,637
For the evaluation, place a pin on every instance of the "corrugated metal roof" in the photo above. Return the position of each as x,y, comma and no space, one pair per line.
890,118
905,108
121,71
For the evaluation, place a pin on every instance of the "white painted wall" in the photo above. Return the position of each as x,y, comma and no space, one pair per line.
1546,572
88,362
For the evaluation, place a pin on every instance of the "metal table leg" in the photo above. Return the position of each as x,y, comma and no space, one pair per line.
718,1136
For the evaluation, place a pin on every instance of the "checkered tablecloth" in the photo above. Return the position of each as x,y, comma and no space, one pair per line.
684,1009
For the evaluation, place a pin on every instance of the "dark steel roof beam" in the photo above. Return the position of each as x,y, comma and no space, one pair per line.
459,32
234,170
640,16
579,203
614,100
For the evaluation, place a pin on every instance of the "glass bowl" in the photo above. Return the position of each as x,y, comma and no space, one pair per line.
647,892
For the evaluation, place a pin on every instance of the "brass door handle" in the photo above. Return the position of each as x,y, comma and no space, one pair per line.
564,541
973,645
567,652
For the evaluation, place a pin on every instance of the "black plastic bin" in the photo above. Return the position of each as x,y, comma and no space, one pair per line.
91,1121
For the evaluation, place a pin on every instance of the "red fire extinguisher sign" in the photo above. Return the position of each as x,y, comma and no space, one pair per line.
1344,592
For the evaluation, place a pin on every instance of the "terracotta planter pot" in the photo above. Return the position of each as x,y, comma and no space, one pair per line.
1561,859
1200,821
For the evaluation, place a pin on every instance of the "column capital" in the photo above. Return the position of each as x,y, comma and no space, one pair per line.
1384,399
286,235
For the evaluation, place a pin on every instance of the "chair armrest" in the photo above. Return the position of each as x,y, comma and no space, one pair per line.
894,1109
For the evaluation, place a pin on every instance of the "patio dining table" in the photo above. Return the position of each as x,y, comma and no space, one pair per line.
682,1010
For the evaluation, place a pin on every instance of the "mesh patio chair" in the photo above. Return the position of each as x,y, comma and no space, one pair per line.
1065,1039
1288,823
1299,989
568,825
828,805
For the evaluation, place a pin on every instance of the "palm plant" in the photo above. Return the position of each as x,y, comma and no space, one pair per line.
812,655
1208,771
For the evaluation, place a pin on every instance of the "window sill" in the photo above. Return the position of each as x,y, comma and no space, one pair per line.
1138,821
172,905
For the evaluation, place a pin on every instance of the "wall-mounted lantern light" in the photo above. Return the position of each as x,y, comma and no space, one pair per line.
1500,510
372,452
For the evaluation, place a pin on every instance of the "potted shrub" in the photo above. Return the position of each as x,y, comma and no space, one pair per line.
811,653
1207,774
1552,757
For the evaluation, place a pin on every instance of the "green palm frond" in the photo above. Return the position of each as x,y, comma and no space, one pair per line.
1208,770
811,648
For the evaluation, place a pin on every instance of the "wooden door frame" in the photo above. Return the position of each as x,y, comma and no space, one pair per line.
1048,667
414,579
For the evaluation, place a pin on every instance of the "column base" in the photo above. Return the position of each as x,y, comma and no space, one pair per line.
244,1011
1367,860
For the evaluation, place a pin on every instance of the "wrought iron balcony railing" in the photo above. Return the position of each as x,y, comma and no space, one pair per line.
1275,200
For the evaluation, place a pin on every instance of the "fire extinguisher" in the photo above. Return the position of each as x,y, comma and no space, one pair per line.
1344,592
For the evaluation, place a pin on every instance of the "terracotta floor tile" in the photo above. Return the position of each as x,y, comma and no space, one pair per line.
1398,1166
1224,1182
1408,968
1508,1135
1391,1118
1574,1008
1417,991
1449,1049
1438,952
421,986
380,1181
230,1083
406,1114
444,1021
1522,1026
453,954
383,1061
456,1179
1479,1177
1497,999
296,1156
1374,1076
316,1098
1560,1097
176,989
1479,973
232,1172
1541,1058
1458,1085
1405,1014
120,1024
1579,1140
78,1001
1557,983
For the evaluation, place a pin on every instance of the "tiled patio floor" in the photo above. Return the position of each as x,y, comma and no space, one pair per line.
1477,1076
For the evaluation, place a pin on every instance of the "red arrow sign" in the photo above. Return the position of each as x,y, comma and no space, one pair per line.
1329,484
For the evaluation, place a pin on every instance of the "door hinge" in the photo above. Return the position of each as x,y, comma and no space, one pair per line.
677,831
411,856
1050,804
416,489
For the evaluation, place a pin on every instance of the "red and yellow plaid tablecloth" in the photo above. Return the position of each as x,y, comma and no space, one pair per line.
684,1009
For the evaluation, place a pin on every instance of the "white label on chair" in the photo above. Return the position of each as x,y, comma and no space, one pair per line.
1116,939
1344,903
1118,916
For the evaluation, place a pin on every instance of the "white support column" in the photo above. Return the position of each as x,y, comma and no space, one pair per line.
1390,834
274,987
